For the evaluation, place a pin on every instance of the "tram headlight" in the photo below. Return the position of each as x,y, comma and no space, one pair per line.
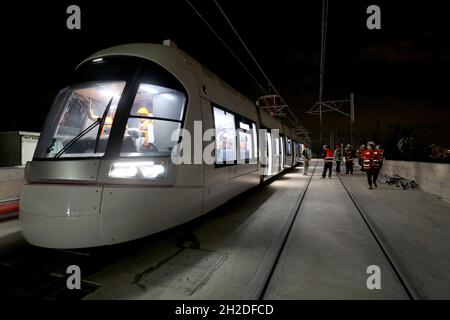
137,170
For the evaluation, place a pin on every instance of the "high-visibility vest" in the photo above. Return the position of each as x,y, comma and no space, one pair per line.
367,157
376,159
329,155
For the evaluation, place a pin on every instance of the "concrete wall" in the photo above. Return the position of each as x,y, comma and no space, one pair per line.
432,177
11,182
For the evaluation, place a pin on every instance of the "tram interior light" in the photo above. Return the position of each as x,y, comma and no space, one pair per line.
168,96
137,170
148,88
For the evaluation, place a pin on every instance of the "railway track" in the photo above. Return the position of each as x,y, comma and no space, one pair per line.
37,273
263,290
388,253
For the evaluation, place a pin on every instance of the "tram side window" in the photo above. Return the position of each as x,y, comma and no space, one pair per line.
289,150
156,114
277,147
245,142
248,146
224,124
255,141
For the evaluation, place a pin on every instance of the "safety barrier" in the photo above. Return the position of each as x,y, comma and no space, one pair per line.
431,177
11,182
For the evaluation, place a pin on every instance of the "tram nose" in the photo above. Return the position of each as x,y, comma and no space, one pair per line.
66,215
69,201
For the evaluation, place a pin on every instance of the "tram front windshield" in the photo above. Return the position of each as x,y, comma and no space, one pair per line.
81,120
87,108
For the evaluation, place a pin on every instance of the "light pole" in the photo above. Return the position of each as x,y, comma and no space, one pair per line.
352,116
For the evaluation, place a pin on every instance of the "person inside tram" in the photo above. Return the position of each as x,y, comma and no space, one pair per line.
146,138
106,130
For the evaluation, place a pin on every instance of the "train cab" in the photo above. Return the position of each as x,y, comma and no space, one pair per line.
114,125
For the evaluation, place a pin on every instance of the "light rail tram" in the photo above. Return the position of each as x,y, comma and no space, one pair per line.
103,173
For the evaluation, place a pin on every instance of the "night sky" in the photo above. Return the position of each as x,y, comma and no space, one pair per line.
399,74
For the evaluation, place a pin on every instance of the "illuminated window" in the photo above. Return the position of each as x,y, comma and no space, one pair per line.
245,141
224,124
84,116
156,114
245,145
289,150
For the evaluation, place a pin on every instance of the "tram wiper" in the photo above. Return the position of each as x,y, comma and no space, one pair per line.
99,121
102,124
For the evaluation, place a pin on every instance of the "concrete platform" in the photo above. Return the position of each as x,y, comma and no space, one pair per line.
228,255
329,250
416,225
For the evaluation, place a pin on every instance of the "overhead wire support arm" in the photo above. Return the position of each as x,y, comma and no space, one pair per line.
330,106
321,107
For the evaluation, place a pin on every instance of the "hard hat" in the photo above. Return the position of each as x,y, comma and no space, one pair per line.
363,146
349,146
370,145
143,111
325,146
108,120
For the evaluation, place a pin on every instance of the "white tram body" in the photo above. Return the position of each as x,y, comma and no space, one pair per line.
117,182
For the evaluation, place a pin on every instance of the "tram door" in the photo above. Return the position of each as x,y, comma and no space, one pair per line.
282,152
275,153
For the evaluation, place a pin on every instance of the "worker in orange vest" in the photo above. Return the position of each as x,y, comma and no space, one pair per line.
371,164
328,156
360,153
380,154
